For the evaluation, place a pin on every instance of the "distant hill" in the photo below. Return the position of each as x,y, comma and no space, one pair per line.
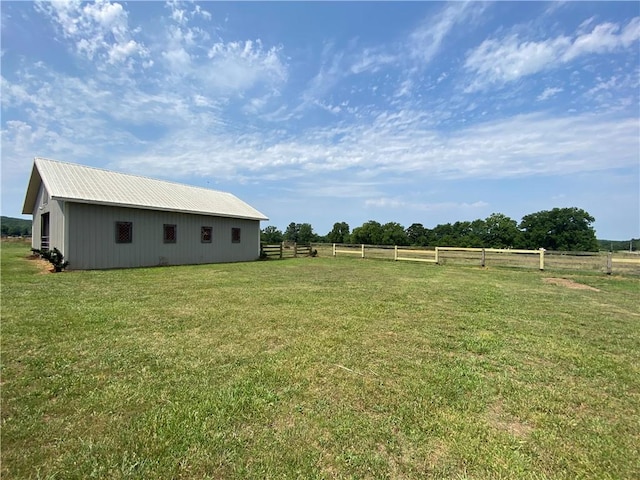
15,226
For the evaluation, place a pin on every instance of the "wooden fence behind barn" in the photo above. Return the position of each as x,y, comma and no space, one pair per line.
285,250
619,262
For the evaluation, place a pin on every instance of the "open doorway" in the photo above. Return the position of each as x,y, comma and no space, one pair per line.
44,232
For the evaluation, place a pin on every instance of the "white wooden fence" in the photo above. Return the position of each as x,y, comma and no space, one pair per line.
497,256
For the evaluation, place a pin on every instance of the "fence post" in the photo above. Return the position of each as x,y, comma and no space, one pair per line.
541,258
281,246
295,250
363,250
395,253
437,261
609,264
334,250
484,257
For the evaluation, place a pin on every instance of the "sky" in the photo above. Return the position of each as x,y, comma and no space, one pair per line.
322,112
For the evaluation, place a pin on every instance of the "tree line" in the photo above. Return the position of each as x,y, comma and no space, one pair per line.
15,227
563,229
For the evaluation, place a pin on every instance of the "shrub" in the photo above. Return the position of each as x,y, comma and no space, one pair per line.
54,256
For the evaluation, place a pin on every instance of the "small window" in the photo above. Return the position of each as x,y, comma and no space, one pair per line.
170,233
206,233
124,232
235,235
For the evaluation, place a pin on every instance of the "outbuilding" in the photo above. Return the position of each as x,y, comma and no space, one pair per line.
102,219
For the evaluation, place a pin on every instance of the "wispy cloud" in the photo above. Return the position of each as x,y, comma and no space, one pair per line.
426,41
97,30
604,38
548,93
517,147
496,62
240,65
373,59
403,203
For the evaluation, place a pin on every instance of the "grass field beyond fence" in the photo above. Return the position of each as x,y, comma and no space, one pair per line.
318,368
625,263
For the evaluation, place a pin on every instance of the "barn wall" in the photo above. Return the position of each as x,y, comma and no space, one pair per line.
92,238
55,209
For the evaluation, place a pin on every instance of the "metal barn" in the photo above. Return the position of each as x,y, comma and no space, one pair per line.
102,219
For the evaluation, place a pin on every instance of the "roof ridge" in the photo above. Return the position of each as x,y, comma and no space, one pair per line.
172,182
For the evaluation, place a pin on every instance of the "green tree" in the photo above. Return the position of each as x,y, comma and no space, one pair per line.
305,233
501,231
300,233
417,235
370,233
443,235
15,230
469,234
271,234
339,233
292,232
564,229
394,234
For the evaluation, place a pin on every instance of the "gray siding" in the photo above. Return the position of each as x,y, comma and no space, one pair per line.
55,209
92,238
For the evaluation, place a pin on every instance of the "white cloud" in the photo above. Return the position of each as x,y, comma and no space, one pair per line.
121,51
403,145
426,41
384,202
372,60
548,93
508,59
98,30
330,73
182,15
178,60
604,38
240,65
198,11
401,203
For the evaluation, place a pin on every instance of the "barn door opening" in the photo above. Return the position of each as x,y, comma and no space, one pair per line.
44,232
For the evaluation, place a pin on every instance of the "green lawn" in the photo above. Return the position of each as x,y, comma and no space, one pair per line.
318,368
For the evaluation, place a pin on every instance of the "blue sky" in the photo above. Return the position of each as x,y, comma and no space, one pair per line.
330,112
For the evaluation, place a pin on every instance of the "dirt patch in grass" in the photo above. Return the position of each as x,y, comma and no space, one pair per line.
43,265
565,282
499,419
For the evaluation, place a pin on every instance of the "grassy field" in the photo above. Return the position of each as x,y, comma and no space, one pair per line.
318,368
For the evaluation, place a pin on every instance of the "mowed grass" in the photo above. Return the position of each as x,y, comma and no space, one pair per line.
317,368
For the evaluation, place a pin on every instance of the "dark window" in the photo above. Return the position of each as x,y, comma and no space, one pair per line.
124,232
205,234
235,235
170,233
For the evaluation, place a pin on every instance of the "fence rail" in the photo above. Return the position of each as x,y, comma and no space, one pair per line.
285,250
628,263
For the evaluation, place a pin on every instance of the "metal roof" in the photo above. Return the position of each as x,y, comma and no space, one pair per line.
81,184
